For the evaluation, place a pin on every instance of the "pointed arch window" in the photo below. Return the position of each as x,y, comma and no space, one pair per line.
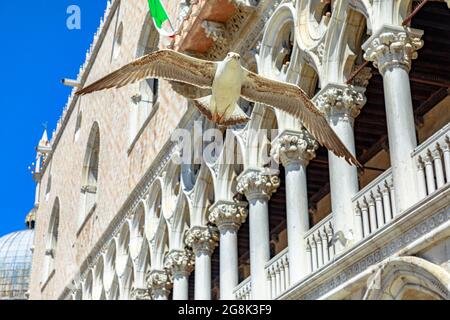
88,201
51,242
145,102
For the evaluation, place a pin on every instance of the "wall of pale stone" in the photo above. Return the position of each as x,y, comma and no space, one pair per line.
120,167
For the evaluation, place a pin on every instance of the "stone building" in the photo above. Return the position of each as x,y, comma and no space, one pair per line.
118,218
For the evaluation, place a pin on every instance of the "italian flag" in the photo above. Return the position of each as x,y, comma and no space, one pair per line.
159,15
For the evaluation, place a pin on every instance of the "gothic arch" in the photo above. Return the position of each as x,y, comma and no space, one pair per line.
86,287
180,223
90,174
98,293
123,260
142,265
52,240
137,230
404,278
159,245
109,258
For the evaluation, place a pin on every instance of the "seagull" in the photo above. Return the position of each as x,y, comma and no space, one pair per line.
216,87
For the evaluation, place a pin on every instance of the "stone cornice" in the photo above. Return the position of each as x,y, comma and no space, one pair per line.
393,46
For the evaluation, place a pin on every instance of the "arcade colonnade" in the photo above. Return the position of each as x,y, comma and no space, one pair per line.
190,209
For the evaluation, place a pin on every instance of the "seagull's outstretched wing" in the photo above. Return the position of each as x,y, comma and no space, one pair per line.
189,91
165,64
293,100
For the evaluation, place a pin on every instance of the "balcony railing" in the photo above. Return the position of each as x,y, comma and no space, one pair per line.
374,205
319,250
244,290
277,271
374,208
433,162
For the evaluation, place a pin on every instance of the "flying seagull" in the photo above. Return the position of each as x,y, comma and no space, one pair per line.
223,83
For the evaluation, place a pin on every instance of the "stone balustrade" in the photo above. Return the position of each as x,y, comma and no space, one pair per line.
277,271
244,290
319,250
433,162
374,205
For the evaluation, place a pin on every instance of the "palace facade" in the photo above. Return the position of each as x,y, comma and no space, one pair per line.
118,218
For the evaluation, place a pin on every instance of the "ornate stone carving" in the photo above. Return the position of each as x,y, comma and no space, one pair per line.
228,214
160,283
215,31
180,262
293,146
202,239
341,100
140,294
393,46
255,183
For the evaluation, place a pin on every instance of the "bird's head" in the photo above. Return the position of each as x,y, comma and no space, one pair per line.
233,56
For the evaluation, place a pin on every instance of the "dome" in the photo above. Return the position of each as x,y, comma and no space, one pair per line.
15,264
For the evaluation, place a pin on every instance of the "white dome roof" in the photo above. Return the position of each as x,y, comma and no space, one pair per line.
15,264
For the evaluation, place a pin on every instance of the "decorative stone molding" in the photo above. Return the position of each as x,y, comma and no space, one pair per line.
228,215
393,46
180,262
338,100
257,184
140,294
294,146
215,31
203,240
160,283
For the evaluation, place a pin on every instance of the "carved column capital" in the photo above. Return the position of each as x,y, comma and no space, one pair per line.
202,239
228,215
160,283
180,262
257,184
393,46
140,294
294,146
340,101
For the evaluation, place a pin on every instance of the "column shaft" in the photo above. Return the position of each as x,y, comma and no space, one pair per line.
402,135
229,272
297,219
180,286
202,276
259,246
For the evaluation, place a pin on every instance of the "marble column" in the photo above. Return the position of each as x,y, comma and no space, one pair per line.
160,284
294,149
391,49
341,104
258,187
180,263
228,216
203,240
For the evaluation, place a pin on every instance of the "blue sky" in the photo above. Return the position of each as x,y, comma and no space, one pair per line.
37,51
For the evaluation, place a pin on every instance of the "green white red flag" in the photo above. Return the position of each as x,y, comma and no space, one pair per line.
160,17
